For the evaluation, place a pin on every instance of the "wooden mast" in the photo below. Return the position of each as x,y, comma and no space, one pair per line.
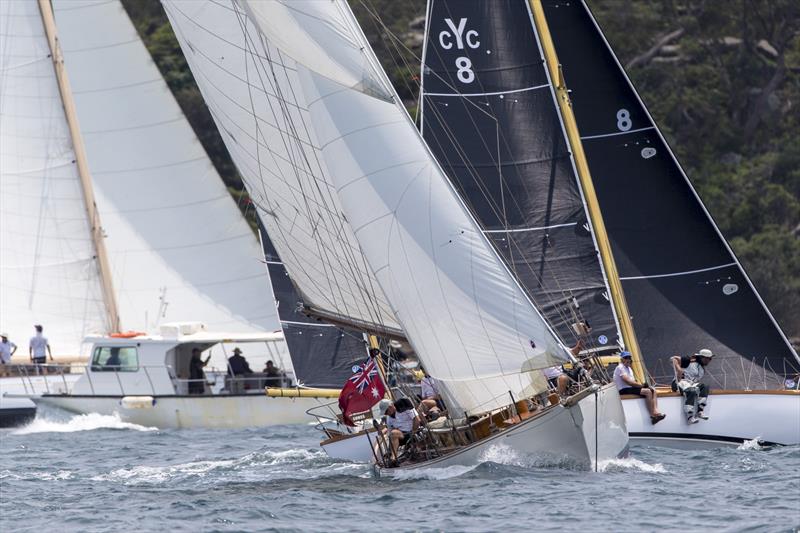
596,217
80,160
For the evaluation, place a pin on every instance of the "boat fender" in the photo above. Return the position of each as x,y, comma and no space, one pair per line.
127,334
137,402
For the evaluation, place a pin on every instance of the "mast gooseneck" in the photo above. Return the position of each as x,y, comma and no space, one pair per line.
83,168
593,206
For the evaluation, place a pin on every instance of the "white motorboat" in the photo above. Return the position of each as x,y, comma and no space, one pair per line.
151,386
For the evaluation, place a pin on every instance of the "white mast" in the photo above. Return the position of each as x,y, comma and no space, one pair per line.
83,168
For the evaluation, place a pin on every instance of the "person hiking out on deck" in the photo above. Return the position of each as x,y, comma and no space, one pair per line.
627,384
197,378
555,375
689,370
39,348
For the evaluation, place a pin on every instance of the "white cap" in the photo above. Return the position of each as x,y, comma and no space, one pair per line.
705,352
384,405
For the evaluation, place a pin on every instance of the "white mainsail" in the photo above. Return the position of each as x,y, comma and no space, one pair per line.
463,312
178,246
48,269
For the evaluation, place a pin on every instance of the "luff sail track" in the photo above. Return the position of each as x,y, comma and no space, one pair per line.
684,286
490,117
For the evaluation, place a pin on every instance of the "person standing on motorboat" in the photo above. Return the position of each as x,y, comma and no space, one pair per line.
689,370
38,348
627,384
237,364
197,378
7,349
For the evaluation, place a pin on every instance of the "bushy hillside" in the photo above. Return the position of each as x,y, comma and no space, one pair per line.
722,79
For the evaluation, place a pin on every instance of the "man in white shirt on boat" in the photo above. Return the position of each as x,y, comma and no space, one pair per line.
402,423
7,349
626,384
39,347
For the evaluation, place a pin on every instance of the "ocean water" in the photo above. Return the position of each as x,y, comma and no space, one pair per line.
95,473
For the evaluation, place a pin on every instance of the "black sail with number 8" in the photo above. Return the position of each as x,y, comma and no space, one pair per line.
490,117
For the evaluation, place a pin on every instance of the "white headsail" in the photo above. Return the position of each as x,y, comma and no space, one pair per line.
178,246
462,310
48,269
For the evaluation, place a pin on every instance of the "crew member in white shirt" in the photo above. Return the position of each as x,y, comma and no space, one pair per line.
7,349
627,384
431,402
39,348
401,425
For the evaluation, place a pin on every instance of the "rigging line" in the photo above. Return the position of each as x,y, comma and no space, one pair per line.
614,134
520,230
249,44
495,93
462,154
288,117
357,273
673,274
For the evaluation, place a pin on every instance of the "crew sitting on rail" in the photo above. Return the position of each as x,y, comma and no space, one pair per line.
402,421
627,384
431,403
557,378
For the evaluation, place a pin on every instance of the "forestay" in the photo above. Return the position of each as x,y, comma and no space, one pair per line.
48,270
178,246
685,287
464,314
490,116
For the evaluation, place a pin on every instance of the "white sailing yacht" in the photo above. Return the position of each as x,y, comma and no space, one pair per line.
369,227
114,217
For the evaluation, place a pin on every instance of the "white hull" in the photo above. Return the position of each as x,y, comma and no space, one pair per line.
733,418
562,434
356,448
206,411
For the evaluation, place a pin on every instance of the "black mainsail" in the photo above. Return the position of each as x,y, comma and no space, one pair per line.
489,116
685,288
323,355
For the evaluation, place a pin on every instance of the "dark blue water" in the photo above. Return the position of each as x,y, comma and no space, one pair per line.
93,473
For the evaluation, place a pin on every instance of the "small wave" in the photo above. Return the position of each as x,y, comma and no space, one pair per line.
431,473
85,422
299,459
630,463
58,475
754,444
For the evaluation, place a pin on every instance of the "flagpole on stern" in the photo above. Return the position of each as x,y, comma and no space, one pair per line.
374,344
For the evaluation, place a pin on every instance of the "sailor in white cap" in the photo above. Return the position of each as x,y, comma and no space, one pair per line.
7,349
689,370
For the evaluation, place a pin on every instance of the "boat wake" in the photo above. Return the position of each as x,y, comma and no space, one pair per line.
253,467
754,444
87,422
630,463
